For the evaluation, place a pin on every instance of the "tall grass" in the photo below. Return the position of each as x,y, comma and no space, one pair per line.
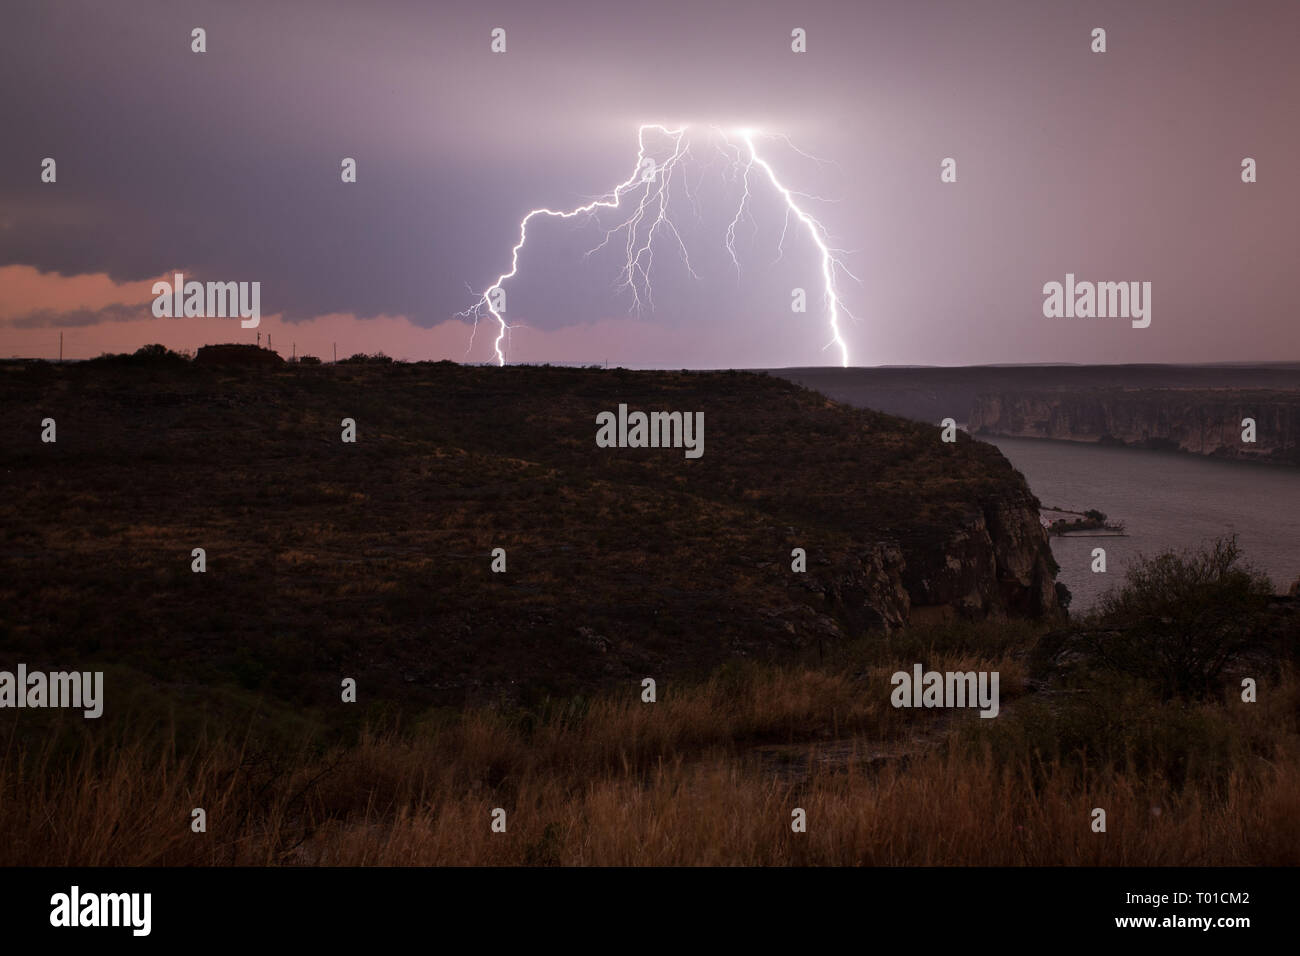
613,781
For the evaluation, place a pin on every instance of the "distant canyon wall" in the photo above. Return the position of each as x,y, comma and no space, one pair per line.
1199,421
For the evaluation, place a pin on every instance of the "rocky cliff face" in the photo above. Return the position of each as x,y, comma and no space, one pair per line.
1199,421
997,562
994,561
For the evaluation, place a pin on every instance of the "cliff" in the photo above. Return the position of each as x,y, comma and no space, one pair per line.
373,559
1199,421
932,394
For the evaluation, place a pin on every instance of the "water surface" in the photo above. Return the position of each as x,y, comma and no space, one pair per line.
1166,500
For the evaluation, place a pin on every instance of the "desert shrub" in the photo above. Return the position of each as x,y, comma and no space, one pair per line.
145,355
1117,726
1180,618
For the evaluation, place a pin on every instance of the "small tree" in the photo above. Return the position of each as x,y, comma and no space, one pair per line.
1180,618
149,355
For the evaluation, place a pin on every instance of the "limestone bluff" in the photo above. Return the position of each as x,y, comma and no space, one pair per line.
1198,421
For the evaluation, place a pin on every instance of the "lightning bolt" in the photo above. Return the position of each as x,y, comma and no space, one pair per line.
830,256
647,218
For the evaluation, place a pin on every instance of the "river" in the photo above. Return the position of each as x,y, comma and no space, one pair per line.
1165,500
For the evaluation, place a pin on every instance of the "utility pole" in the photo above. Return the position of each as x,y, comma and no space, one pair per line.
336,353
295,352
268,341
60,347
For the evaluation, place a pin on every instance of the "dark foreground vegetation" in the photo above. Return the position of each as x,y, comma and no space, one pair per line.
711,772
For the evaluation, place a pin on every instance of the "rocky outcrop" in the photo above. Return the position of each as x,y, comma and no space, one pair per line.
998,562
864,590
1199,421
995,562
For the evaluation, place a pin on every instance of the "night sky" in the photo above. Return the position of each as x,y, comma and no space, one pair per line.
1122,166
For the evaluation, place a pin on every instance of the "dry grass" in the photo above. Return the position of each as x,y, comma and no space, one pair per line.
617,782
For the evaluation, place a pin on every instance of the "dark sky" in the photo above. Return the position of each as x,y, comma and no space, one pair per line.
1116,166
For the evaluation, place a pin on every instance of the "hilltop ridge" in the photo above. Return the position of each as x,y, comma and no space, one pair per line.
373,559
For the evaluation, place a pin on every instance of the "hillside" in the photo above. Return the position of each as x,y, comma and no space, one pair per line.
372,560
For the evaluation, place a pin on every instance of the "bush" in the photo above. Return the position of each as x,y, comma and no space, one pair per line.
1180,618
1118,727
145,355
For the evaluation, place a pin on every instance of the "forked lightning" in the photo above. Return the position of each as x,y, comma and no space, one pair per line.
648,191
